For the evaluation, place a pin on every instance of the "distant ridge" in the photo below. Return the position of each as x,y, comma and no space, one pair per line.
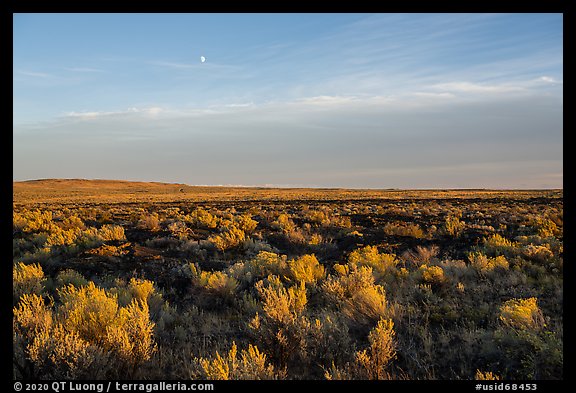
102,191
99,181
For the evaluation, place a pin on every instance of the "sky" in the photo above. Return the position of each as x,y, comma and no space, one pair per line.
291,100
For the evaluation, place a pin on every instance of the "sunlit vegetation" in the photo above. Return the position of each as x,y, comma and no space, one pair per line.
485,264
522,314
486,376
452,225
251,365
371,363
290,284
305,269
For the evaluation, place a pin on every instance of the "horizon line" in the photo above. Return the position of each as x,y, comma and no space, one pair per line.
296,186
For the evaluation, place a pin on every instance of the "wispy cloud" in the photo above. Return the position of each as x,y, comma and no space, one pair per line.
328,100
35,74
240,105
549,79
470,87
91,115
202,71
83,69
397,54
169,64
192,66
426,94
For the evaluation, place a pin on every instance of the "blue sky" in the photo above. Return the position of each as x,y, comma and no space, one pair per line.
338,100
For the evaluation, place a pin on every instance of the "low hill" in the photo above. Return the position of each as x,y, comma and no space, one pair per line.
83,191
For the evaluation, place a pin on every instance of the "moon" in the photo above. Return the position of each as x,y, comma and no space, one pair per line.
202,59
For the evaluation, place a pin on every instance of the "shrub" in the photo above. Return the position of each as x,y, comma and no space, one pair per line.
452,225
485,264
369,302
137,289
252,247
251,365
496,244
61,354
325,218
72,222
460,287
544,227
369,256
522,314
328,339
217,282
296,236
150,222
537,253
179,230
374,361
70,277
245,223
60,237
354,291
303,313
110,250
486,376
315,239
318,217
228,238
130,337
421,255
31,316
280,304
289,229
305,269
88,310
341,222
95,316
403,229
19,222
282,328
433,275
338,374
141,290
530,353
264,264
27,279
200,218
111,232
284,223
33,221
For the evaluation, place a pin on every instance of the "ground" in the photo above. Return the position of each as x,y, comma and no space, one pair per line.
311,277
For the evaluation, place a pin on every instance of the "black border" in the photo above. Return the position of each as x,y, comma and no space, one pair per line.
391,6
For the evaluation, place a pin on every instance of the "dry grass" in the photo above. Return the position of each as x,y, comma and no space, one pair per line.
81,191
166,281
